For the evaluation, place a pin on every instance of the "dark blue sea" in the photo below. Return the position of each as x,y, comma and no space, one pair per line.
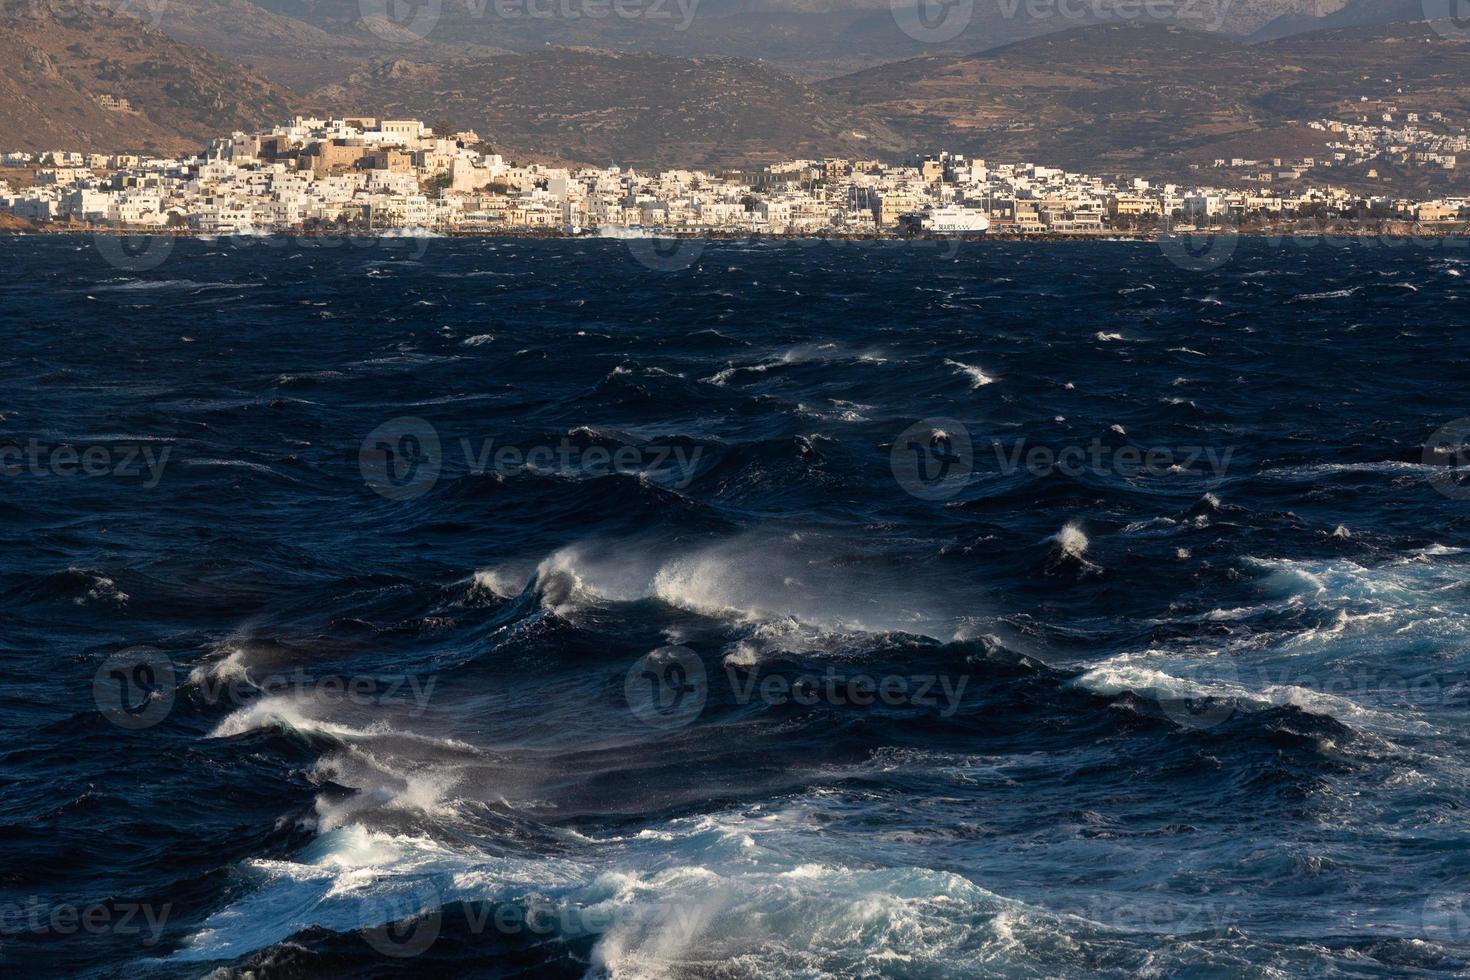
507,608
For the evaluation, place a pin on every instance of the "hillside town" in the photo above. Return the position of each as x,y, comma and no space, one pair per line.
366,174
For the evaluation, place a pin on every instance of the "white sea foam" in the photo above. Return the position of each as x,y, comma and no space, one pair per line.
133,285
1221,680
284,713
744,654
594,572
668,901
791,584
843,412
408,233
383,784
786,589
1330,294
796,355
1072,540
100,590
241,464
304,714
501,582
978,378
354,878
1289,577
1376,647
621,232
1392,467
1120,675
807,920
230,669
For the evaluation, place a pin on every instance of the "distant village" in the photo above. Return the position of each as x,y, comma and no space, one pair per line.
365,174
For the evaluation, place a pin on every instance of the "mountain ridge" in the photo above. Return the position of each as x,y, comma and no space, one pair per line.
60,65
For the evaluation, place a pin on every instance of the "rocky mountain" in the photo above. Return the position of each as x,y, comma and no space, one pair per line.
58,64
1352,13
606,107
288,43
1155,99
298,42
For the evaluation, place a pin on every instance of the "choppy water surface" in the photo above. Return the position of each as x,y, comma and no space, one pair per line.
811,611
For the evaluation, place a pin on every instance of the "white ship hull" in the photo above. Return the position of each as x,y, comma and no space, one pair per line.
956,221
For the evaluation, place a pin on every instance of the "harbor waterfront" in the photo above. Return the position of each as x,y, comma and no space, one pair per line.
355,175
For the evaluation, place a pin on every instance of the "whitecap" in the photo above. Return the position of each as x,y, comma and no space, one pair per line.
978,378
1330,294
501,583
1071,540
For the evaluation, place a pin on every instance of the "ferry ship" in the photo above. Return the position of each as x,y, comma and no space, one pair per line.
955,220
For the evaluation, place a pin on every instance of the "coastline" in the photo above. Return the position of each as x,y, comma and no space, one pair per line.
1388,230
